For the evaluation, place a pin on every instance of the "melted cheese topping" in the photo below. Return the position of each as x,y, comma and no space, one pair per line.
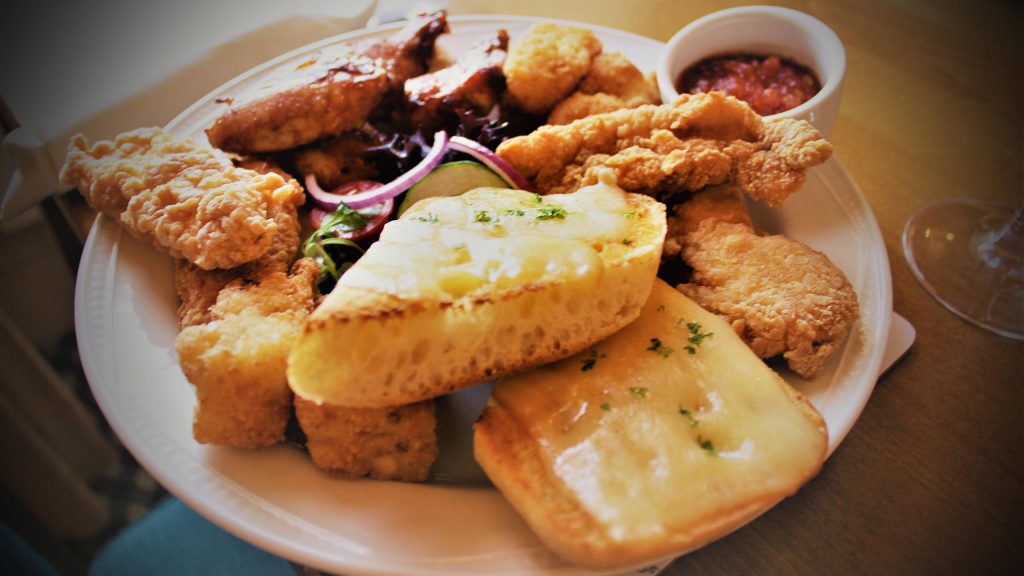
651,438
493,238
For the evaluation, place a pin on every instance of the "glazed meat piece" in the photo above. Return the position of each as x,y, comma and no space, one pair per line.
337,160
328,94
182,197
473,81
697,141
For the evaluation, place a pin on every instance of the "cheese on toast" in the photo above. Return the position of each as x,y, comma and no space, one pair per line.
668,435
464,289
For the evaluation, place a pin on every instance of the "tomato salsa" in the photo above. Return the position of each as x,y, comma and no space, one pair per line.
770,84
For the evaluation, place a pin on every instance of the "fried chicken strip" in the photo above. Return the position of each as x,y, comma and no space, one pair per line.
326,95
546,64
779,295
179,196
237,360
612,83
197,288
698,140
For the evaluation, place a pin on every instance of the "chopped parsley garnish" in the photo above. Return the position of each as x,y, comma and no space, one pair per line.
638,392
515,212
657,346
689,416
605,406
551,212
538,198
696,336
707,446
430,218
482,216
627,242
631,214
661,308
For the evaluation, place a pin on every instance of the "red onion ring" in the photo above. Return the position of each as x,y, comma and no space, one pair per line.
376,195
496,163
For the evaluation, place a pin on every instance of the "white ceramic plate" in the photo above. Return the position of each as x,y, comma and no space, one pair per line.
275,498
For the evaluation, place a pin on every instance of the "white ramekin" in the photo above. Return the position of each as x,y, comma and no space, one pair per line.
763,30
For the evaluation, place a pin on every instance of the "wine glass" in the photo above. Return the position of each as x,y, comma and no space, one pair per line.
969,255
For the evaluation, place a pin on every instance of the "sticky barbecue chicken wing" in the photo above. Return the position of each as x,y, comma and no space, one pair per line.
329,93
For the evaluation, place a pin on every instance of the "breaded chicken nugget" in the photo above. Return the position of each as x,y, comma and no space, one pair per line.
237,360
612,82
396,443
546,64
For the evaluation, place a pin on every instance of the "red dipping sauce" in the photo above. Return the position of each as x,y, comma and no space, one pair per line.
770,84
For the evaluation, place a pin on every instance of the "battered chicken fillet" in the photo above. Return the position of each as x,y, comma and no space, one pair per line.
197,288
696,141
612,83
179,196
330,93
237,359
396,443
546,64
782,297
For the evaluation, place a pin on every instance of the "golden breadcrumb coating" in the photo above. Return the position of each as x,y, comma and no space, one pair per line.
179,196
780,296
197,288
698,140
546,64
723,203
612,82
237,359
396,443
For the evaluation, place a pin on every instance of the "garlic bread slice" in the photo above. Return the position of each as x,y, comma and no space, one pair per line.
665,436
464,289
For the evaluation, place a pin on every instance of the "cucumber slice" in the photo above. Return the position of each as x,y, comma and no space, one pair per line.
452,179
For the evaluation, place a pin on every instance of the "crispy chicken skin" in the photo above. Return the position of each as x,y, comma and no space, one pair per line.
698,140
472,81
612,82
546,64
779,295
237,359
197,288
329,94
724,204
179,196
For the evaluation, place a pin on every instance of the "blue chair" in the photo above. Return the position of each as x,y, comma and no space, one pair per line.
171,540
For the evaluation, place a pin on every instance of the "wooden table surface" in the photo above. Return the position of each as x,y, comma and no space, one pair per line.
930,479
